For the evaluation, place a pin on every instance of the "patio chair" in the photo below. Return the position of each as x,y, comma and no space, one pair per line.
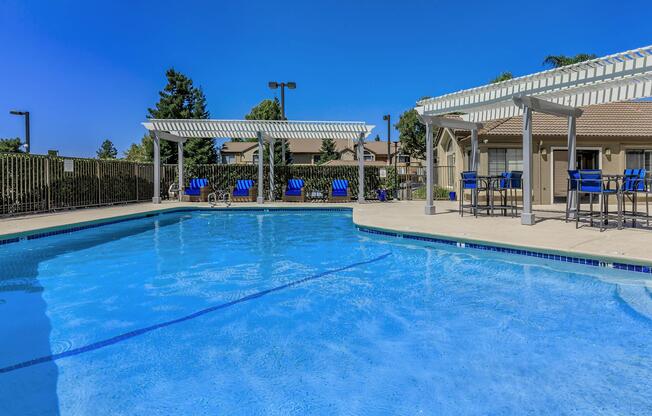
339,191
508,186
592,183
573,177
469,181
197,191
245,190
635,183
294,191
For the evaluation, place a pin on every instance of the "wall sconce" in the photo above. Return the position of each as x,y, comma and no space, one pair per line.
485,141
607,152
544,151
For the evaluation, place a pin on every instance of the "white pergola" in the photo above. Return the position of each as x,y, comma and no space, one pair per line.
264,131
620,77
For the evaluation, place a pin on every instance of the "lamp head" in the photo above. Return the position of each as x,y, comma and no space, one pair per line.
18,113
291,85
386,117
273,85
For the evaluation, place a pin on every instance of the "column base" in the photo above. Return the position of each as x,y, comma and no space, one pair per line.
156,200
527,219
430,210
260,200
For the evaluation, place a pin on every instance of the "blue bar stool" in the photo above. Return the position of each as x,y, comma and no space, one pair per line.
591,182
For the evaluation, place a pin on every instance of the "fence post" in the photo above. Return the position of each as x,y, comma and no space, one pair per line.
99,182
136,176
47,182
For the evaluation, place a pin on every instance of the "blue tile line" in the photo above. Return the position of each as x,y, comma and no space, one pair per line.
131,334
538,254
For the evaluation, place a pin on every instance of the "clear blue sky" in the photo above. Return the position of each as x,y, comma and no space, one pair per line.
88,70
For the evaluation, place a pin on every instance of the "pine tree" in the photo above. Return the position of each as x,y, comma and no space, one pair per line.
141,153
10,145
327,151
271,110
107,150
180,99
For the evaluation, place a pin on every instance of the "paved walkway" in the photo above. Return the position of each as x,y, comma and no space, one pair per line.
550,233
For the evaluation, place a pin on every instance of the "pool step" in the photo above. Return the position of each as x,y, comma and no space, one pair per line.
638,297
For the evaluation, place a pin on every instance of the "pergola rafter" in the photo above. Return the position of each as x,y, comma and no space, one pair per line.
619,77
180,131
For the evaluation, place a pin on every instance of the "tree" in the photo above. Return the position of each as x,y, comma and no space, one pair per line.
557,61
141,153
10,145
502,77
107,150
180,99
327,151
412,134
271,110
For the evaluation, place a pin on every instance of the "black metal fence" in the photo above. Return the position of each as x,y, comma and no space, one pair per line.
36,183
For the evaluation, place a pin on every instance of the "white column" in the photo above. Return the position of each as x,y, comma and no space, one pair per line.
271,170
572,158
527,217
261,197
157,170
430,170
475,150
180,168
361,169
283,151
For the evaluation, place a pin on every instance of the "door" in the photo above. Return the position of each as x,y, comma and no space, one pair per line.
585,159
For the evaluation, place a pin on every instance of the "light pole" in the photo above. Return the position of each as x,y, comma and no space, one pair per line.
274,85
395,170
27,139
387,118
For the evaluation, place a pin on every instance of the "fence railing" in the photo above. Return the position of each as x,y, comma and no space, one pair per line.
36,183
413,185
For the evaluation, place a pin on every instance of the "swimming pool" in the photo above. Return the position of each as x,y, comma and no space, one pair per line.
286,313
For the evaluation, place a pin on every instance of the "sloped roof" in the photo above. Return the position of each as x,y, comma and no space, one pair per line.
632,119
310,146
354,163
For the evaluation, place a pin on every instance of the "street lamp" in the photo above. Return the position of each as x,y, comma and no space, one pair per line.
26,114
387,118
274,85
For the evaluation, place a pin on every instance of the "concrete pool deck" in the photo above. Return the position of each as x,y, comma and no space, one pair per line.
550,234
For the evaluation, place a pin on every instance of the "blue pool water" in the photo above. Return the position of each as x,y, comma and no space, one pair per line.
299,313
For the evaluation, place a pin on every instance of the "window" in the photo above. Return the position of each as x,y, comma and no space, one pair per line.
403,159
228,159
639,159
315,159
505,160
255,157
368,156
450,164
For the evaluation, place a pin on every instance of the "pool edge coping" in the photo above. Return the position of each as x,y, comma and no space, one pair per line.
621,263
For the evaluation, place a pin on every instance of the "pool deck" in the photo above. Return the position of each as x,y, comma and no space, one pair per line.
550,233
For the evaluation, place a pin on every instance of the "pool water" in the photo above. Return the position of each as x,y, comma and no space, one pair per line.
299,313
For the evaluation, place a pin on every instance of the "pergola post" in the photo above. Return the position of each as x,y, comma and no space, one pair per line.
527,217
261,198
572,162
430,170
360,150
180,168
156,198
271,170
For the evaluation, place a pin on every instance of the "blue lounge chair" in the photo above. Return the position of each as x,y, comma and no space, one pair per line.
634,183
197,191
245,191
592,183
339,191
294,191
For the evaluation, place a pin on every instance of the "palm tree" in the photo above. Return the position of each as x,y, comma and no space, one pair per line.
557,61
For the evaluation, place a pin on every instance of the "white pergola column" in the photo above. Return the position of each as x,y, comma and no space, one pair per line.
572,161
527,217
271,170
261,197
156,198
361,168
180,168
475,151
430,170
